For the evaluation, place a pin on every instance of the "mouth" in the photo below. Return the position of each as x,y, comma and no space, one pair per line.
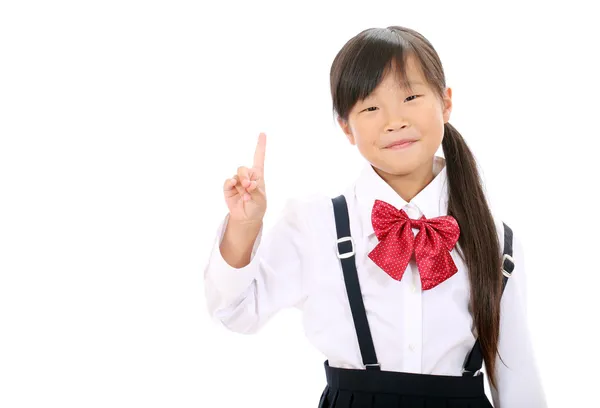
401,144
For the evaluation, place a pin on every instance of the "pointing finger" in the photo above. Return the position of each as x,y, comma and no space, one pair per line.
259,154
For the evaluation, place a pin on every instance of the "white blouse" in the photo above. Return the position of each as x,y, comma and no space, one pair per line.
428,332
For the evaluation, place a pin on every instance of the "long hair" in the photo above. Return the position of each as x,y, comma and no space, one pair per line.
356,71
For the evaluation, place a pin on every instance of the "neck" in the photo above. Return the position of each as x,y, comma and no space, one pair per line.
409,185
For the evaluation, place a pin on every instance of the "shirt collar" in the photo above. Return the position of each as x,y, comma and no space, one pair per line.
432,201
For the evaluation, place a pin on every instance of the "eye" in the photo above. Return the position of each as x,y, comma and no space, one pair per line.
412,96
371,108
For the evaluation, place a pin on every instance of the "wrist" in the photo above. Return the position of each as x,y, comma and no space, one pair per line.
241,232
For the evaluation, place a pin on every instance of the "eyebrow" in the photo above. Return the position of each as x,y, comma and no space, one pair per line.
404,84
411,83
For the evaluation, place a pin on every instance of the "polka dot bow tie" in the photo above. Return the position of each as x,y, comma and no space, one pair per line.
432,245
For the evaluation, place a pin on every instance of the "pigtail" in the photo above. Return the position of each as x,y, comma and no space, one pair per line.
478,242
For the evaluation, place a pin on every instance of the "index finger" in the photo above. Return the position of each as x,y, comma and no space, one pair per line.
259,154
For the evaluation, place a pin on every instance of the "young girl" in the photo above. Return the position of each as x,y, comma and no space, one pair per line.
403,279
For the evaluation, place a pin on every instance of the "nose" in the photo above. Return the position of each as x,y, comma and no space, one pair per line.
396,120
396,124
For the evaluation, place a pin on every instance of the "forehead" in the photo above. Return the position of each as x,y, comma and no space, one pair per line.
413,76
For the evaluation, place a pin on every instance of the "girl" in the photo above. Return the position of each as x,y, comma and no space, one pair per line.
403,279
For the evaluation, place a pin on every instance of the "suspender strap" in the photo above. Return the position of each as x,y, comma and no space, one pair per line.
474,360
345,251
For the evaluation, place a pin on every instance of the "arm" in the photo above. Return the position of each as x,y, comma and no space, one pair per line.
518,379
264,277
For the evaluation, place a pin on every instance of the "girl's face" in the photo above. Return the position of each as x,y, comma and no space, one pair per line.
392,113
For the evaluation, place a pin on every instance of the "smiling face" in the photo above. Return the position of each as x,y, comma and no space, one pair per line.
394,112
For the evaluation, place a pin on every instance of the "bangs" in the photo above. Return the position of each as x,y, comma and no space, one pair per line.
363,62
374,53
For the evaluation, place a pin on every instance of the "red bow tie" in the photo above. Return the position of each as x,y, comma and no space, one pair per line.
432,245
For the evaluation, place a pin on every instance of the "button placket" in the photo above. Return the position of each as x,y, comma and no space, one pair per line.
413,320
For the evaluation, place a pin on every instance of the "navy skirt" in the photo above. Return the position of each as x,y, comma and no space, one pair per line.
348,388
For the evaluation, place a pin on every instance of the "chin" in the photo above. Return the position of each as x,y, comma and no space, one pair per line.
396,169
399,163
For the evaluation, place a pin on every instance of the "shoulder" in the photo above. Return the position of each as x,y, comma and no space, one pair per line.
310,204
499,225
504,225
316,213
310,209
502,228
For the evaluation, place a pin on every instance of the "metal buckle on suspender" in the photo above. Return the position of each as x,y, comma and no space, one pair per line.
475,374
373,365
345,254
504,271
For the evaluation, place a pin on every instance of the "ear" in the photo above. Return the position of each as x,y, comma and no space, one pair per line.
346,129
447,104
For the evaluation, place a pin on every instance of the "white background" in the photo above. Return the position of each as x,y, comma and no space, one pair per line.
120,120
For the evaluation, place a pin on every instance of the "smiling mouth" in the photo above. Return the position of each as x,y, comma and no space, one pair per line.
402,145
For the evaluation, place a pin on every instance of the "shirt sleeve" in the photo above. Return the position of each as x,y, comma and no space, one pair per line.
518,379
244,299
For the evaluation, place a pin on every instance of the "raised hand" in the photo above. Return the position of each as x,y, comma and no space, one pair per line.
245,192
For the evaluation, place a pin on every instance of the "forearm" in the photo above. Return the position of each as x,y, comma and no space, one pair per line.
238,241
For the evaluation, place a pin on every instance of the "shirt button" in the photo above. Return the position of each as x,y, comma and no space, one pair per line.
413,288
412,212
411,347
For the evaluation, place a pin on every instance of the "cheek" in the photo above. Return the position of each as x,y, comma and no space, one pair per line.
366,134
433,123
